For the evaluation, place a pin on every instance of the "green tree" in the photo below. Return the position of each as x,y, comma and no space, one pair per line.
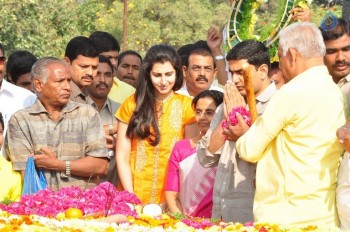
165,21
44,27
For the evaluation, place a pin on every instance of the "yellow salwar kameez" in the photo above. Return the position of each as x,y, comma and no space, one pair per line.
149,163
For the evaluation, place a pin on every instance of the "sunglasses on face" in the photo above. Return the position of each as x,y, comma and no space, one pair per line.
2,59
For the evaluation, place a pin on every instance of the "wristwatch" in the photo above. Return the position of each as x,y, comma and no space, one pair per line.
67,168
219,57
67,173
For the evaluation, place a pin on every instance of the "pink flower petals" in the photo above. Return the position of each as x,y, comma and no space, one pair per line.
233,118
198,224
48,203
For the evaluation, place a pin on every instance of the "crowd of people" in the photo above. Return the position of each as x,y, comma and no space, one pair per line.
163,126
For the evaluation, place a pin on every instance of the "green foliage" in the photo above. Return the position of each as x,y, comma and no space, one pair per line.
245,20
271,22
319,11
178,216
165,21
45,26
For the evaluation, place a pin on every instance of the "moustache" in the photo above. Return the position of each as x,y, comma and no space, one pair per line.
128,77
87,77
202,79
102,84
339,63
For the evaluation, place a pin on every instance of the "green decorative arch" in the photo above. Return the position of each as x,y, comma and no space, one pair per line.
242,23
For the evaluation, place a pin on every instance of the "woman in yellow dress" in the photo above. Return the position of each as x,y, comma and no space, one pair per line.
150,122
10,181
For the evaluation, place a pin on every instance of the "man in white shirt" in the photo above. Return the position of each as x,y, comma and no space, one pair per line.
12,97
199,73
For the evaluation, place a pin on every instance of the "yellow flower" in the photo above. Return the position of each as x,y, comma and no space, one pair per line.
165,216
255,5
302,3
234,227
61,216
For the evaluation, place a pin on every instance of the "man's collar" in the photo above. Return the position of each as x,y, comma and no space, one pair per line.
38,107
344,80
6,86
107,105
76,91
267,93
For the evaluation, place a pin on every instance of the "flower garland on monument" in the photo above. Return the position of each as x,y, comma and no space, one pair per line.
103,208
253,19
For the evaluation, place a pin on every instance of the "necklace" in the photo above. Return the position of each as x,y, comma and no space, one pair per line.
165,99
159,105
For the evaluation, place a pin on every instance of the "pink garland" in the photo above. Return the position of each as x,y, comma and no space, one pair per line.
48,203
201,224
233,118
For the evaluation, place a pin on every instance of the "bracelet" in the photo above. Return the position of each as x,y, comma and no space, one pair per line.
67,168
219,57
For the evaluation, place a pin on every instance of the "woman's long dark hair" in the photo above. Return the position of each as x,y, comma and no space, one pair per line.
144,117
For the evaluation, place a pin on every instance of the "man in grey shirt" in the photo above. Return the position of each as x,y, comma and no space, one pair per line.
98,91
234,186
66,137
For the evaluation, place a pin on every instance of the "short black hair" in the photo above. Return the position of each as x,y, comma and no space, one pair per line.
2,121
104,41
275,65
184,51
201,52
342,28
2,49
126,53
202,44
81,45
255,52
103,59
217,96
19,63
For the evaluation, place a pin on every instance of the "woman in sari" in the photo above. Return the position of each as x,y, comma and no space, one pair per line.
189,186
150,122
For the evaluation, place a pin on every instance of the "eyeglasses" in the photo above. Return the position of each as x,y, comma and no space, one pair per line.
2,59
